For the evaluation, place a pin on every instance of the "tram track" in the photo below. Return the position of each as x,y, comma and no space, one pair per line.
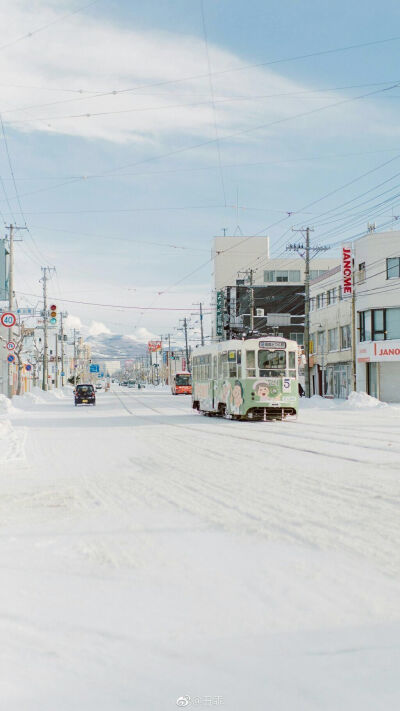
221,431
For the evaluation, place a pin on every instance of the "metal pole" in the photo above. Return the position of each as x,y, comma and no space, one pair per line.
45,333
62,351
307,312
75,363
11,305
56,349
201,324
186,345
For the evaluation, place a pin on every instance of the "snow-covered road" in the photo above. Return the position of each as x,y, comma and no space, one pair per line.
148,553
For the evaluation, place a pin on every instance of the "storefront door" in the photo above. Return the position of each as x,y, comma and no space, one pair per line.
372,379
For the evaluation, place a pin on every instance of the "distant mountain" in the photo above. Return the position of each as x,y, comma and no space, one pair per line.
115,347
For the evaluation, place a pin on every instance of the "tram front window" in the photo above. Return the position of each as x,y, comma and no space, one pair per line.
271,363
183,379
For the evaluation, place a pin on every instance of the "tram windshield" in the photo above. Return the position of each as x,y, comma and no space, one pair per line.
271,363
182,379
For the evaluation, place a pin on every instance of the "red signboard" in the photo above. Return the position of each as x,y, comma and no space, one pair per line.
154,346
347,271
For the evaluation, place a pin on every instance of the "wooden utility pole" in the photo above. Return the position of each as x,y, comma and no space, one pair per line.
11,304
305,252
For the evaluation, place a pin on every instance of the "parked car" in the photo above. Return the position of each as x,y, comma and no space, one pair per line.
84,394
99,386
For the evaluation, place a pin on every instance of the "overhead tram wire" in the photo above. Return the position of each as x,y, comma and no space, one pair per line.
221,174
87,115
233,99
117,306
236,69
30,34
16,189
208,142
320,199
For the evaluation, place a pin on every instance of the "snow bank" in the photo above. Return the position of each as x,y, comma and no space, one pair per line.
355,401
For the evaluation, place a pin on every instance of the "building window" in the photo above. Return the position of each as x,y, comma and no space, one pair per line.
299,337
345,337
378,325
361,272
315,273
393,268
333,339
312,303
282,275
392,324
320,301
321,342
331,297
365,326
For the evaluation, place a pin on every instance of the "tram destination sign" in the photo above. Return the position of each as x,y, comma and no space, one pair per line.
271,344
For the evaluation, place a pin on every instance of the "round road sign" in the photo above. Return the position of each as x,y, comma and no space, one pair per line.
28,367
8,319
10,345
11,358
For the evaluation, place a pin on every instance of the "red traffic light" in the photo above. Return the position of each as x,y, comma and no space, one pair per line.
53,307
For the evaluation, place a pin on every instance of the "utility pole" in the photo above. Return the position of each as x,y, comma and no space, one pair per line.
11,304
62,348
249,273
56,352
305,252
185,330
75,363
45,380
11,298
200,305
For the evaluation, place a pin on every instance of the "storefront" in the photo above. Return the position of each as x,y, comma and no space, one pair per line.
379,369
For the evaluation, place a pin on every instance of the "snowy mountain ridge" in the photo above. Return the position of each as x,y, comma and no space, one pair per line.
115,346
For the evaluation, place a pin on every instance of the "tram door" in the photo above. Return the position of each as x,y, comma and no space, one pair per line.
214,379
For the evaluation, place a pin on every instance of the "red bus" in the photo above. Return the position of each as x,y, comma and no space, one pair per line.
181,384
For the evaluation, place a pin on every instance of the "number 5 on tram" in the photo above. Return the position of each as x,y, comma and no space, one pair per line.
254,379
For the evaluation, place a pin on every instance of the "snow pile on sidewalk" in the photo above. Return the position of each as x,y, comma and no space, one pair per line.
355,401
11,446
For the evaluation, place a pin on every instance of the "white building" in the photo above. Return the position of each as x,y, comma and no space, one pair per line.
234,256
330,336
377,283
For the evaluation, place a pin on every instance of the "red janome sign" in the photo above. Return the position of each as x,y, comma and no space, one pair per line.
347,271
378,351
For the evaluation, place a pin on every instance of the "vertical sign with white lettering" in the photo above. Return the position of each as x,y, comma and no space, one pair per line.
347,271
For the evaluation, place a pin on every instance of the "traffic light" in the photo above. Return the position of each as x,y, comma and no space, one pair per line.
53,314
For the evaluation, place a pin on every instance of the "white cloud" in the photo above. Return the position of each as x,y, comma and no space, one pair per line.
142,335
91,55
73,322
97,328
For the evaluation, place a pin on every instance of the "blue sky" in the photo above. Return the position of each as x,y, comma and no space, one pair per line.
125,201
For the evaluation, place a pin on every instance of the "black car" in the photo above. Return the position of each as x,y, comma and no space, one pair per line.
85,395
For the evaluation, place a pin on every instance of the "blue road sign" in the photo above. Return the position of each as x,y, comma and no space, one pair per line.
28,367
62,375
11,358
94,368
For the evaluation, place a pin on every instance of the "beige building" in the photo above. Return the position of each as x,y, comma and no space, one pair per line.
330,336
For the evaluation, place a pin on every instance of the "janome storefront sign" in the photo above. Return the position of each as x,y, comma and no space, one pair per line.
378,351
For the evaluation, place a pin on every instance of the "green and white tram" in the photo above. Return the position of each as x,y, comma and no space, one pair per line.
254,379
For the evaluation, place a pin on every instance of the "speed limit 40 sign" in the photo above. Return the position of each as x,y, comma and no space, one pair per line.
8,319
